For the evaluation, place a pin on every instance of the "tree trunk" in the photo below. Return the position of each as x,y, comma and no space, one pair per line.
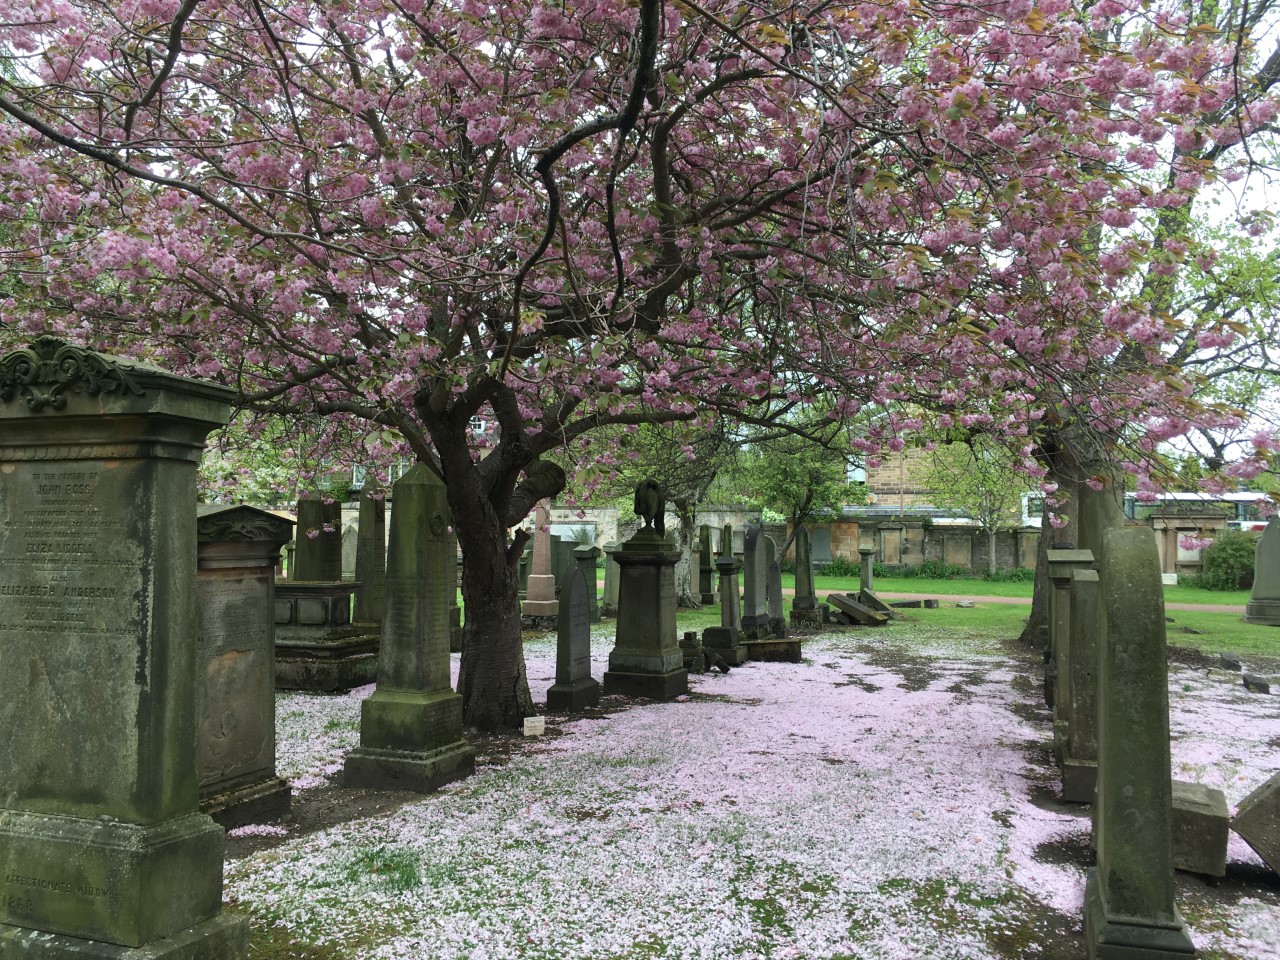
991,550
686,597
1036,631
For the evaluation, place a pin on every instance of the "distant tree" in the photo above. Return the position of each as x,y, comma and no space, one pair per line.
980,478
799,477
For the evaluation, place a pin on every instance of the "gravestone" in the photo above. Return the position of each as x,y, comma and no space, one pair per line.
822,545
726,640
1257,821
1061,564
706,566
866,567
318,557
1080,749
646,660
1264,601
854,611
411,726
540,605
584,559
526,560
102,848
235,664
756,623
371,558
350,539
611,578
804,606
561,558
773,589
1129,896
575,689
726,541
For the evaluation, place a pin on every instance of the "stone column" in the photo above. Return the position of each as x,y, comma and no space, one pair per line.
584,558
318,558
867,567
102,847
371,559
541,588
1129,896
1062,562
726,541
1080,753
575,689
755,612
804,606
411,726
235,664
726,639
611,579
1264,601
706,566
646,660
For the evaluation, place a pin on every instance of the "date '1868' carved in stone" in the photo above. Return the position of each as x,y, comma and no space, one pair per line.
50,367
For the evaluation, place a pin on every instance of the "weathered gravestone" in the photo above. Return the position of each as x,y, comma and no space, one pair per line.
776,646
526,560
235,665
1257,821
318,647
611,575
866,569
1264,601
646,660
1129,896
725,641
706,566
540,605
102,848
584,558
804,606
773,589
371,558
1061,564
756,623
411,726
1080,746
575,689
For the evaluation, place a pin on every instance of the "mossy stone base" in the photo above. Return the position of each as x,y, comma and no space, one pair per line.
1265,612
806,618
222,938
419,771
574,696
726,643
333,664
115,882
773,651
757,628
655,686
248,803
1115,939
409,721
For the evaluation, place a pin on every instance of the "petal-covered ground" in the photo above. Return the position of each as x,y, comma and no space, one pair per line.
890,797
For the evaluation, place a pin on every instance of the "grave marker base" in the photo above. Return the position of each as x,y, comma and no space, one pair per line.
1079,780
250,803
419,771
727,643
1117,939
222,938
787,650
572,697
654,686
332,665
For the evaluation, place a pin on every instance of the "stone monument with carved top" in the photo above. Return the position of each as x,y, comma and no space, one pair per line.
103,852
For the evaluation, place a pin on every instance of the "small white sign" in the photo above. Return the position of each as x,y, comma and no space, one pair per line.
535,726
1169,579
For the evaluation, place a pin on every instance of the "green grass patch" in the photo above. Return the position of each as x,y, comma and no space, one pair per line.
391,868
1222,631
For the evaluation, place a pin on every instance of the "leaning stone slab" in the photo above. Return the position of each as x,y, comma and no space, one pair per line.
103,852
235,586
1200,826
411,726
575,689
1129,896
872,602
1257,821
856,611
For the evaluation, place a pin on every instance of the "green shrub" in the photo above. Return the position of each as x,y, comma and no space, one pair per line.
933,570
1016,575
1228,562
839,567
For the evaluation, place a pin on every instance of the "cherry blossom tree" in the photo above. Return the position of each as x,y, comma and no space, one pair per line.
568,216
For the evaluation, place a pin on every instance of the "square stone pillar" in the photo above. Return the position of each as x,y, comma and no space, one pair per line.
726,640
235,585
103,852
706,566
646,660
1057,666
1080,750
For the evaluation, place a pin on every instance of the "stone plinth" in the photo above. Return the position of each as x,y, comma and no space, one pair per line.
1129,897
726,640
1200,825
411,726
646,660
1080,748
103,852
540,588
317,646
866,566
1257,821
575,689
1264,601
235,586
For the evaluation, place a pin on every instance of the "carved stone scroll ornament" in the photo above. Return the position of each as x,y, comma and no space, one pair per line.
50,368
221,529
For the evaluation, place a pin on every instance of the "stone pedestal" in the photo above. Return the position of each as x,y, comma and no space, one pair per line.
411,727
1264,601
102,850
866,566
726,640
1129,897
235,585
317,646
646,660
575,689
1061,565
